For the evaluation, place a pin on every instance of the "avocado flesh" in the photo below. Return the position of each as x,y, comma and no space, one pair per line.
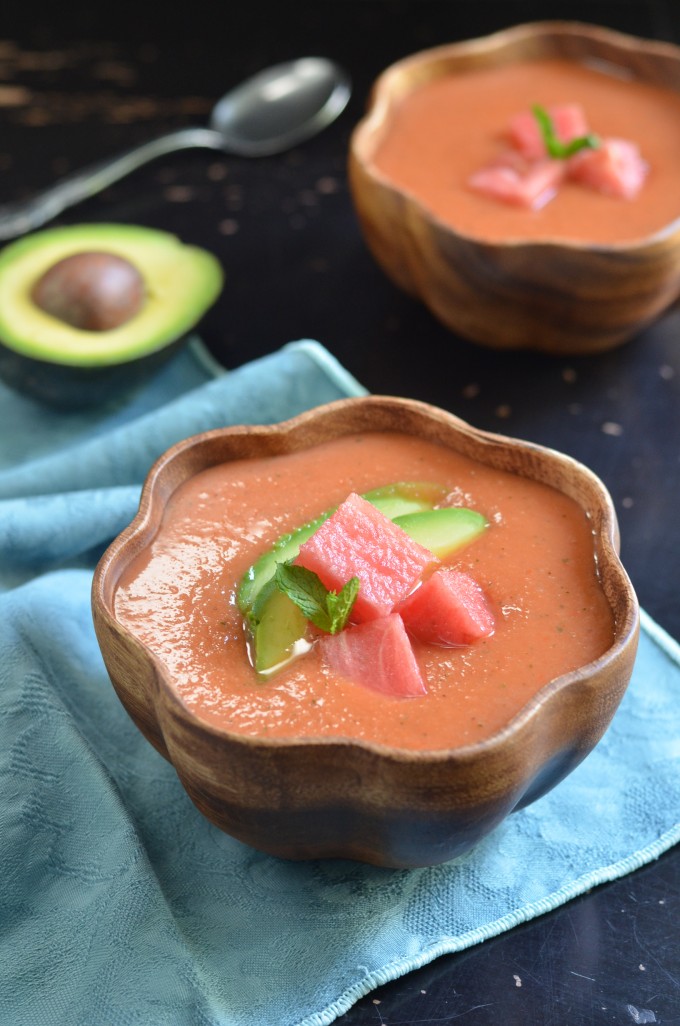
278,629
181,283
392,500
443,531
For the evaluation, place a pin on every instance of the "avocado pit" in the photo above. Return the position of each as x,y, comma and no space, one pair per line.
91,291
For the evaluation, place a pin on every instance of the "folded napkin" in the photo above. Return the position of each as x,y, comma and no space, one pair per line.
119,903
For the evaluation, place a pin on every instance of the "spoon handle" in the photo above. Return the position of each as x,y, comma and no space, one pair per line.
18,218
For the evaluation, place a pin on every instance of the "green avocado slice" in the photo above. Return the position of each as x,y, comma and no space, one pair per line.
277,629
443,531
180,281
402,497
393,500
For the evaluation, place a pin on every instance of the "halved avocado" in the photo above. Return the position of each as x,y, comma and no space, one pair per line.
68,364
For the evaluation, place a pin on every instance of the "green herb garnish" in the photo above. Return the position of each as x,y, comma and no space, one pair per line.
555,148
328,610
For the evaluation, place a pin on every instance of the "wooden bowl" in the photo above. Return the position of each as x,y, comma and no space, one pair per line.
343,798
553,295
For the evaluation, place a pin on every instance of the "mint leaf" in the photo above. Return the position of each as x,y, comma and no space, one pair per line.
327,610
554,147
339,605
304,588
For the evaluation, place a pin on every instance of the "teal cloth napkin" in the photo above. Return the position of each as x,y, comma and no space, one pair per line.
119,903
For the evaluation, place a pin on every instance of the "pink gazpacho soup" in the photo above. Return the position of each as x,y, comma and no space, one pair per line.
464,145
534,562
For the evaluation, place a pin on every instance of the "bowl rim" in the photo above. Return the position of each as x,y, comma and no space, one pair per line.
626,628
379,106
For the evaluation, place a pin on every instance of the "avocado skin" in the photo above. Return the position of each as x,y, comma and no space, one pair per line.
62,386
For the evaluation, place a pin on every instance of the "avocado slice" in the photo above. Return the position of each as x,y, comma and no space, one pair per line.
402,497
443,531
277,627
44,355
393,500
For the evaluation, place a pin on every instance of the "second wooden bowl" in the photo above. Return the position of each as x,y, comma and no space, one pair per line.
556,296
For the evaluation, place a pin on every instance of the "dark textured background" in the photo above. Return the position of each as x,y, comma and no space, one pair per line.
79,82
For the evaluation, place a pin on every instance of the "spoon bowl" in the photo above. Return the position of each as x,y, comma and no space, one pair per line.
267,114
281,106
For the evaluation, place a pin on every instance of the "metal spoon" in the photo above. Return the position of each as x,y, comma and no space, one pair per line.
266,114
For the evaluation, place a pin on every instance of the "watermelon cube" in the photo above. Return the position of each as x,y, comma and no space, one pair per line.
449,609
360,541
615,168
377,655
569,122
519,182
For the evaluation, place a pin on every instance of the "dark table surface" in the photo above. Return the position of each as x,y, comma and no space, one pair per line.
81,82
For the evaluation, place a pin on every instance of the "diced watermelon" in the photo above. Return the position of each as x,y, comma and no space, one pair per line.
377,655
359,541
569,122
449,609
615,168
519,182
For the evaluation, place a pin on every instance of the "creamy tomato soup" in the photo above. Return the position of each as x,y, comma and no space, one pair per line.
448,129
535,561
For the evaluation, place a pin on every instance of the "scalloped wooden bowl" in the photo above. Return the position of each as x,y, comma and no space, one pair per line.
556,296
343,798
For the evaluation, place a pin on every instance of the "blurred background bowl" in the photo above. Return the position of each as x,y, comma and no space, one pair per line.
557,296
